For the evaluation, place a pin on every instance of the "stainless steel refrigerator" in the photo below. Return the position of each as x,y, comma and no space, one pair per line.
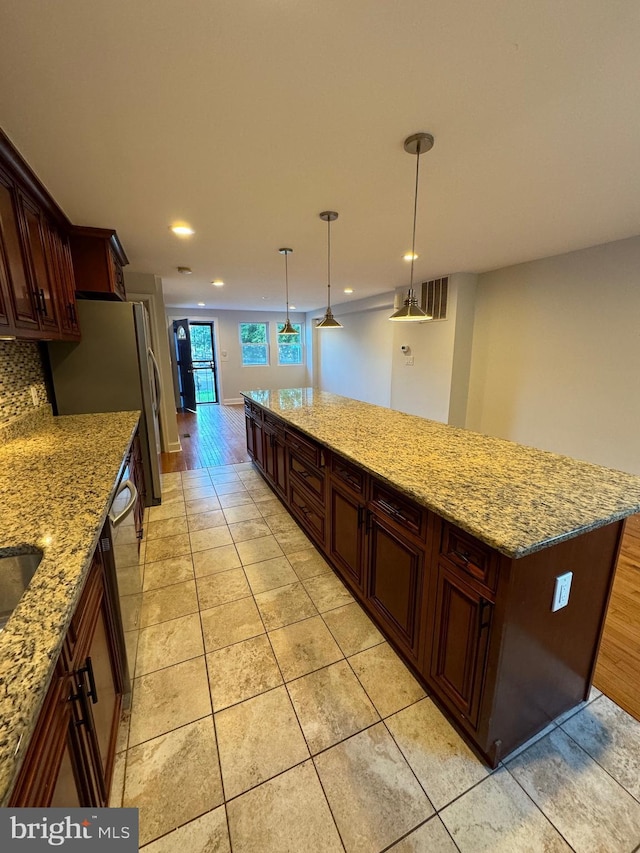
112,369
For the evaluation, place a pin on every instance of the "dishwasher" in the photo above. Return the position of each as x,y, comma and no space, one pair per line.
120,549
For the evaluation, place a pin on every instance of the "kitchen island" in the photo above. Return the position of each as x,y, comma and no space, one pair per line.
57,480
454,543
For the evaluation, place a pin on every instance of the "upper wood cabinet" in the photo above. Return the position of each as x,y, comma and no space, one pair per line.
98,259
37,292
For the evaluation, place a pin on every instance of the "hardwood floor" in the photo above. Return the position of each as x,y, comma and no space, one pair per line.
618,668
216,436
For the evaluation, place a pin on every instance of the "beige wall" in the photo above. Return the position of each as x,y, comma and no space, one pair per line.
556,354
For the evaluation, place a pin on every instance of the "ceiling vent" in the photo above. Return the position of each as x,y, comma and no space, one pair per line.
433,297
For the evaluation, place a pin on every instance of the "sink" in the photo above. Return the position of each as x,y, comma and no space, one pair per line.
16,571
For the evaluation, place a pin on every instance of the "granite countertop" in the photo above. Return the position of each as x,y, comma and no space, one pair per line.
516,499
57,479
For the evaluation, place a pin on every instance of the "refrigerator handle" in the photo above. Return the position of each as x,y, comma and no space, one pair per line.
156,377
116,518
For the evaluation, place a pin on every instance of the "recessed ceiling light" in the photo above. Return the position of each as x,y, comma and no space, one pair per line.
411,256
348,290
218,283
293,307
200,304
182,230
184,270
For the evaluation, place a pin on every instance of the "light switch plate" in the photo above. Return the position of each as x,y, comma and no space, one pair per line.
408,360
561,591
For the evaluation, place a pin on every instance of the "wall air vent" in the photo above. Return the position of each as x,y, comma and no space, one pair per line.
433,298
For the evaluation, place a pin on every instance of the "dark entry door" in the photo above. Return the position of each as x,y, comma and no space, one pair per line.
203,360
187,385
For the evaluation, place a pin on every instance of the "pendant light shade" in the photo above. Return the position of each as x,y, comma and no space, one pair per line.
416,144
287,329
329,321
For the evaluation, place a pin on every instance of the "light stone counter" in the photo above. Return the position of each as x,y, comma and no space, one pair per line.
516,499
57,479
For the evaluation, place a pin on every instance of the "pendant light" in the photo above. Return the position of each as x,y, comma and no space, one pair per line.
287,329
416,144
329,321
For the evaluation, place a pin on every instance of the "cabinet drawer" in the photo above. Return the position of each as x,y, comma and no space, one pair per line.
304,448
469,554
399,509
275,425
348,474
311,517
308,476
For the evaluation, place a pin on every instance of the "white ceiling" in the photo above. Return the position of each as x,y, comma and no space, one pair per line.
246,118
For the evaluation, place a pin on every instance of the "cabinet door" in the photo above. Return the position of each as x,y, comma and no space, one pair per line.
59,259
22,299
395,579
41,274
258,445
6,320
461,628
248,422
346,535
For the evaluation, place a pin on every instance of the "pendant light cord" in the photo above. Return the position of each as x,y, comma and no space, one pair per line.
329,264
415,213
286,279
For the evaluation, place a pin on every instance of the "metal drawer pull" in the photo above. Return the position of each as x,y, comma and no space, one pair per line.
92,692
118,517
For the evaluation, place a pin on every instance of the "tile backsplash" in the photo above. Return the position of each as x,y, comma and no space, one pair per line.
20,368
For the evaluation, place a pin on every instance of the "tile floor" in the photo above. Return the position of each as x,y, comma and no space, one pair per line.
269,714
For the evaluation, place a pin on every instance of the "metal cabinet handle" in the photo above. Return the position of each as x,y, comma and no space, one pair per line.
92,692
484,607
81,698
44,303
116,518
360,515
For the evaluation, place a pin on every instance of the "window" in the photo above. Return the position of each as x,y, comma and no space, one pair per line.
255,344
290,346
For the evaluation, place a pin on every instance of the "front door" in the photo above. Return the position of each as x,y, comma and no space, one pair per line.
186,382
203,360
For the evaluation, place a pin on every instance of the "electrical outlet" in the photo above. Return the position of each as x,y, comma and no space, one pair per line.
561,591
408,360
34,395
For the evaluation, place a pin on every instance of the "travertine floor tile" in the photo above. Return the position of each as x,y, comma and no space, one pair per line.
612,737
230,488
235,499
386,679
194,474
198,491
167,509
184,760
374,796
282,523
212,537
206,834
303,647
308,563
244,512
593,694
205,520
352,628
114,800
257,550
223,476
230,623
221,588
202,505
168,602
166,572
168,698
165,527
226,469
215,560
169,642
591,810
170,546
439,757
270,574
258,739
241,671
241,531
292,541
331,705
327,592
284,605
288,814
498,816
431,837
270,507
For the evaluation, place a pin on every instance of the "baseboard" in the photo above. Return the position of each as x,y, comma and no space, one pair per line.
233,401
174,447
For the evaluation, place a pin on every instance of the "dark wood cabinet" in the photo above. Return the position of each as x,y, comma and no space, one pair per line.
37,291
70,757
275,458
395,570
347,534
462,621
98,261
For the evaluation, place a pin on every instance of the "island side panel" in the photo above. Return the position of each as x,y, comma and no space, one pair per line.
548,658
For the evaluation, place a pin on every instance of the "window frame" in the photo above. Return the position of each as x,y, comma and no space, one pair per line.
266,345
299,326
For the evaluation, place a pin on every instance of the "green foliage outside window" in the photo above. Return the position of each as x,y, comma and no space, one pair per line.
255,343
290,346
